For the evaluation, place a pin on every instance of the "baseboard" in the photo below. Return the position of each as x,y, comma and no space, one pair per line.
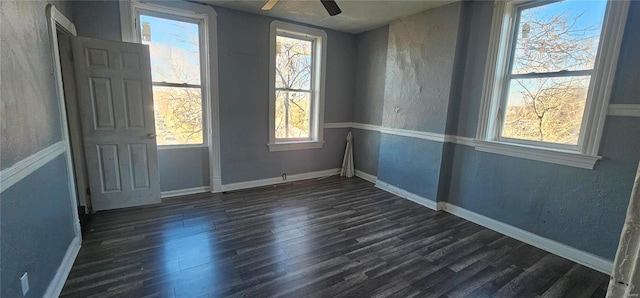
407,195
186,191
366,176
57,283
584,258
278,180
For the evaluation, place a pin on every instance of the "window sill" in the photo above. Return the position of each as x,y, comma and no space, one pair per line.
561,157
286,146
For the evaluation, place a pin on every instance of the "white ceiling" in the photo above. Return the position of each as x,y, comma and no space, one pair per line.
357,15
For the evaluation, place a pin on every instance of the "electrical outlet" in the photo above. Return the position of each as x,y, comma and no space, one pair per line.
24,281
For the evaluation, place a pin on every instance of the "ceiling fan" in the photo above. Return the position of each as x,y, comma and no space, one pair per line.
330,5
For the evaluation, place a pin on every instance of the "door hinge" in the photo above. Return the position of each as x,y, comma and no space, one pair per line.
88,192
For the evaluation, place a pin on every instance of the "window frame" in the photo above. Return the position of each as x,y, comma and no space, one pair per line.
185,13
318,74
497,76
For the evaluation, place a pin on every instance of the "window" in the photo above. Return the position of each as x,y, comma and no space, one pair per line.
296,87
178,52
548,79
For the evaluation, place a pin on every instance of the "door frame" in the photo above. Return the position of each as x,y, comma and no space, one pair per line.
58,21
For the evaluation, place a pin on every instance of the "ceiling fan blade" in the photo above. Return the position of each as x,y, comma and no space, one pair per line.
331,7
269,5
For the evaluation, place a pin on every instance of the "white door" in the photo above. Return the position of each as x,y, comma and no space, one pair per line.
116,107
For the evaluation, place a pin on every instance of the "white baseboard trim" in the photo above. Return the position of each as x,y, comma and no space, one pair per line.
407,195
584,258
624,110
278,180
57,283
366,176
23,168
182,192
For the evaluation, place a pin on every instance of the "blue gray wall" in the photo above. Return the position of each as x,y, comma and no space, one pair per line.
584,209
243,49
36,221
419,71
581,208
243,45
371,63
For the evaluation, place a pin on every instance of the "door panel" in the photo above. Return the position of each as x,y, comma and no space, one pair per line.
102,104
116,106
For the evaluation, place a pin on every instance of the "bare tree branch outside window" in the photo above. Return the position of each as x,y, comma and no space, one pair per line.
554,56
293,88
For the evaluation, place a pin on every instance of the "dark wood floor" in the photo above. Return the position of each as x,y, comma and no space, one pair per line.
335,237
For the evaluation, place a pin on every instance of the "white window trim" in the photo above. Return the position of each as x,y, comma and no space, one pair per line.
317,123
209,73
586,154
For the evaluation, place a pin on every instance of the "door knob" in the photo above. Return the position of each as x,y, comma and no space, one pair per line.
151,135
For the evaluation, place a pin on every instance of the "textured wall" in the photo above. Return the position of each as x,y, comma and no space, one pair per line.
36,229
370,75
371,62
179,168
418,82
30,118
35,214
366,146
99,19
581,208
411,164
419,70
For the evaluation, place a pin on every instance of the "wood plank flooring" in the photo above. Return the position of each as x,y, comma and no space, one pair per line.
335,237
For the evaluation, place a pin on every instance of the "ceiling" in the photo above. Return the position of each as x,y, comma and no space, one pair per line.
357,15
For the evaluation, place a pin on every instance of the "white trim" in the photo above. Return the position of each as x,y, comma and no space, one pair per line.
496,69
567,158
294,146
433,205
55,20
460,140
584,258
182,192
615,20
555,156
436,137
318,85
364,126
209,64
338,125
24,168
366,176
127,21
624,110
278,180
57,283
581,257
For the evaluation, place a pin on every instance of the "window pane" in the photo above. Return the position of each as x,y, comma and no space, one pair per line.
178,113
293,114
293,63
559,36
546,109
174,48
